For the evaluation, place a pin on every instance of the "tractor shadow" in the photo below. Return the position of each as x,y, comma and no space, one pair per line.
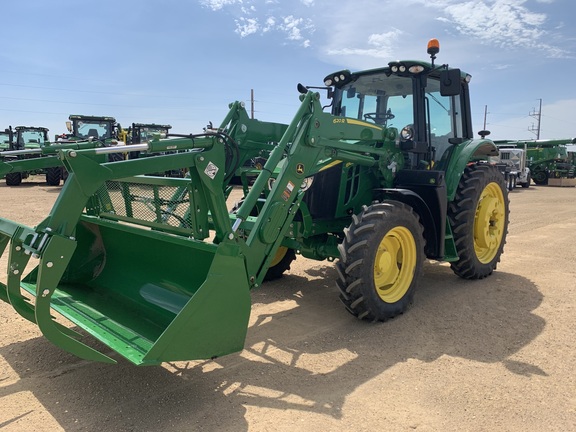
307,354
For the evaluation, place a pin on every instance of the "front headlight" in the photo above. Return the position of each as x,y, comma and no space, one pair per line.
407,133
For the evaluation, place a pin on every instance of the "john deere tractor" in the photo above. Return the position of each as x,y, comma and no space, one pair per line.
31,151
159,270
25,156
5,139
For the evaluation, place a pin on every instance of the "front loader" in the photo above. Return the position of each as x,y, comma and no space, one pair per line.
159,270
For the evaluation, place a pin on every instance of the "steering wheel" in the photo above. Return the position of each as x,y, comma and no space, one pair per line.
379,118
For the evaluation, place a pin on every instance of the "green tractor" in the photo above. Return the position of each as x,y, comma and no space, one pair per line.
140,133
158,269
31,152
5,139
24,156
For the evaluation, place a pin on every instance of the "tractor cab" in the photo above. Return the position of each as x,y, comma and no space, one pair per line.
426,106
144,132
91,127
5,139
27,138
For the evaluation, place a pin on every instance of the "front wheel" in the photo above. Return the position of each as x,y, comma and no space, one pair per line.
381,260
280,264
479,220
527,184
14,179
53,176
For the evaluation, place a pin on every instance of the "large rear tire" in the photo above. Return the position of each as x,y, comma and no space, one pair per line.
540,177
381,260
479,220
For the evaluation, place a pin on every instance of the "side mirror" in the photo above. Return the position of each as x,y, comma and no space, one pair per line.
69,126
450,82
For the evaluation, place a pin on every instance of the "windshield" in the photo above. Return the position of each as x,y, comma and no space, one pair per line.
4,141
386,101
389,102
147,133
94,129
31,139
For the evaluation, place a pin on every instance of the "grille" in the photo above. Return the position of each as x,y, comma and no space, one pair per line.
144,204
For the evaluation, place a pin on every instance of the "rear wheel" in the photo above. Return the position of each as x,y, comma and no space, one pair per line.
540,177
13,179
380,261
479,220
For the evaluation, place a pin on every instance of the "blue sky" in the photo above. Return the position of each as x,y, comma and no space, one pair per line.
181,62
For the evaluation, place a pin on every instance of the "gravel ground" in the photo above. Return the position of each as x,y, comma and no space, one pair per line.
495,354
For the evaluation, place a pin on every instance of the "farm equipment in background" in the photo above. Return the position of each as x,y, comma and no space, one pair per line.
158,269
5,139
31,151
546,158
140,133
102,130
27,154
511,161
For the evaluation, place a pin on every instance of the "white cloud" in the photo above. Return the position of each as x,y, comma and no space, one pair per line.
504,23
247,26
381,44
293,27
216,5
251,13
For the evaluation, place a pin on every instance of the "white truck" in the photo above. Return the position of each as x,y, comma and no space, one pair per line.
512,162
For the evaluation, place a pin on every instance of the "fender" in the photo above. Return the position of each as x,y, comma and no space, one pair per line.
461,155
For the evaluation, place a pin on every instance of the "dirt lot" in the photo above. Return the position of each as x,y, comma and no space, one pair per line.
496,354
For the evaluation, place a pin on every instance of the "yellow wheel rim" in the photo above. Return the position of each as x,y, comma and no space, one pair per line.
489,223
394,264
280,253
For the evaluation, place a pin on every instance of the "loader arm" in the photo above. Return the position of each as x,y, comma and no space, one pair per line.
119,246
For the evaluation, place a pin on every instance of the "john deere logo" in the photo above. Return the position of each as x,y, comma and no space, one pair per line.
300,168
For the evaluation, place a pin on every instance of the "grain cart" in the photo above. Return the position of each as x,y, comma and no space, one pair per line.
159,270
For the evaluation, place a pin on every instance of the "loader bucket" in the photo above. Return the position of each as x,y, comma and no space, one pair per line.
150,297
150,291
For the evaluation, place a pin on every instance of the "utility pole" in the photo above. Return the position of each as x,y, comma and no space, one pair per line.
252,104
537,116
